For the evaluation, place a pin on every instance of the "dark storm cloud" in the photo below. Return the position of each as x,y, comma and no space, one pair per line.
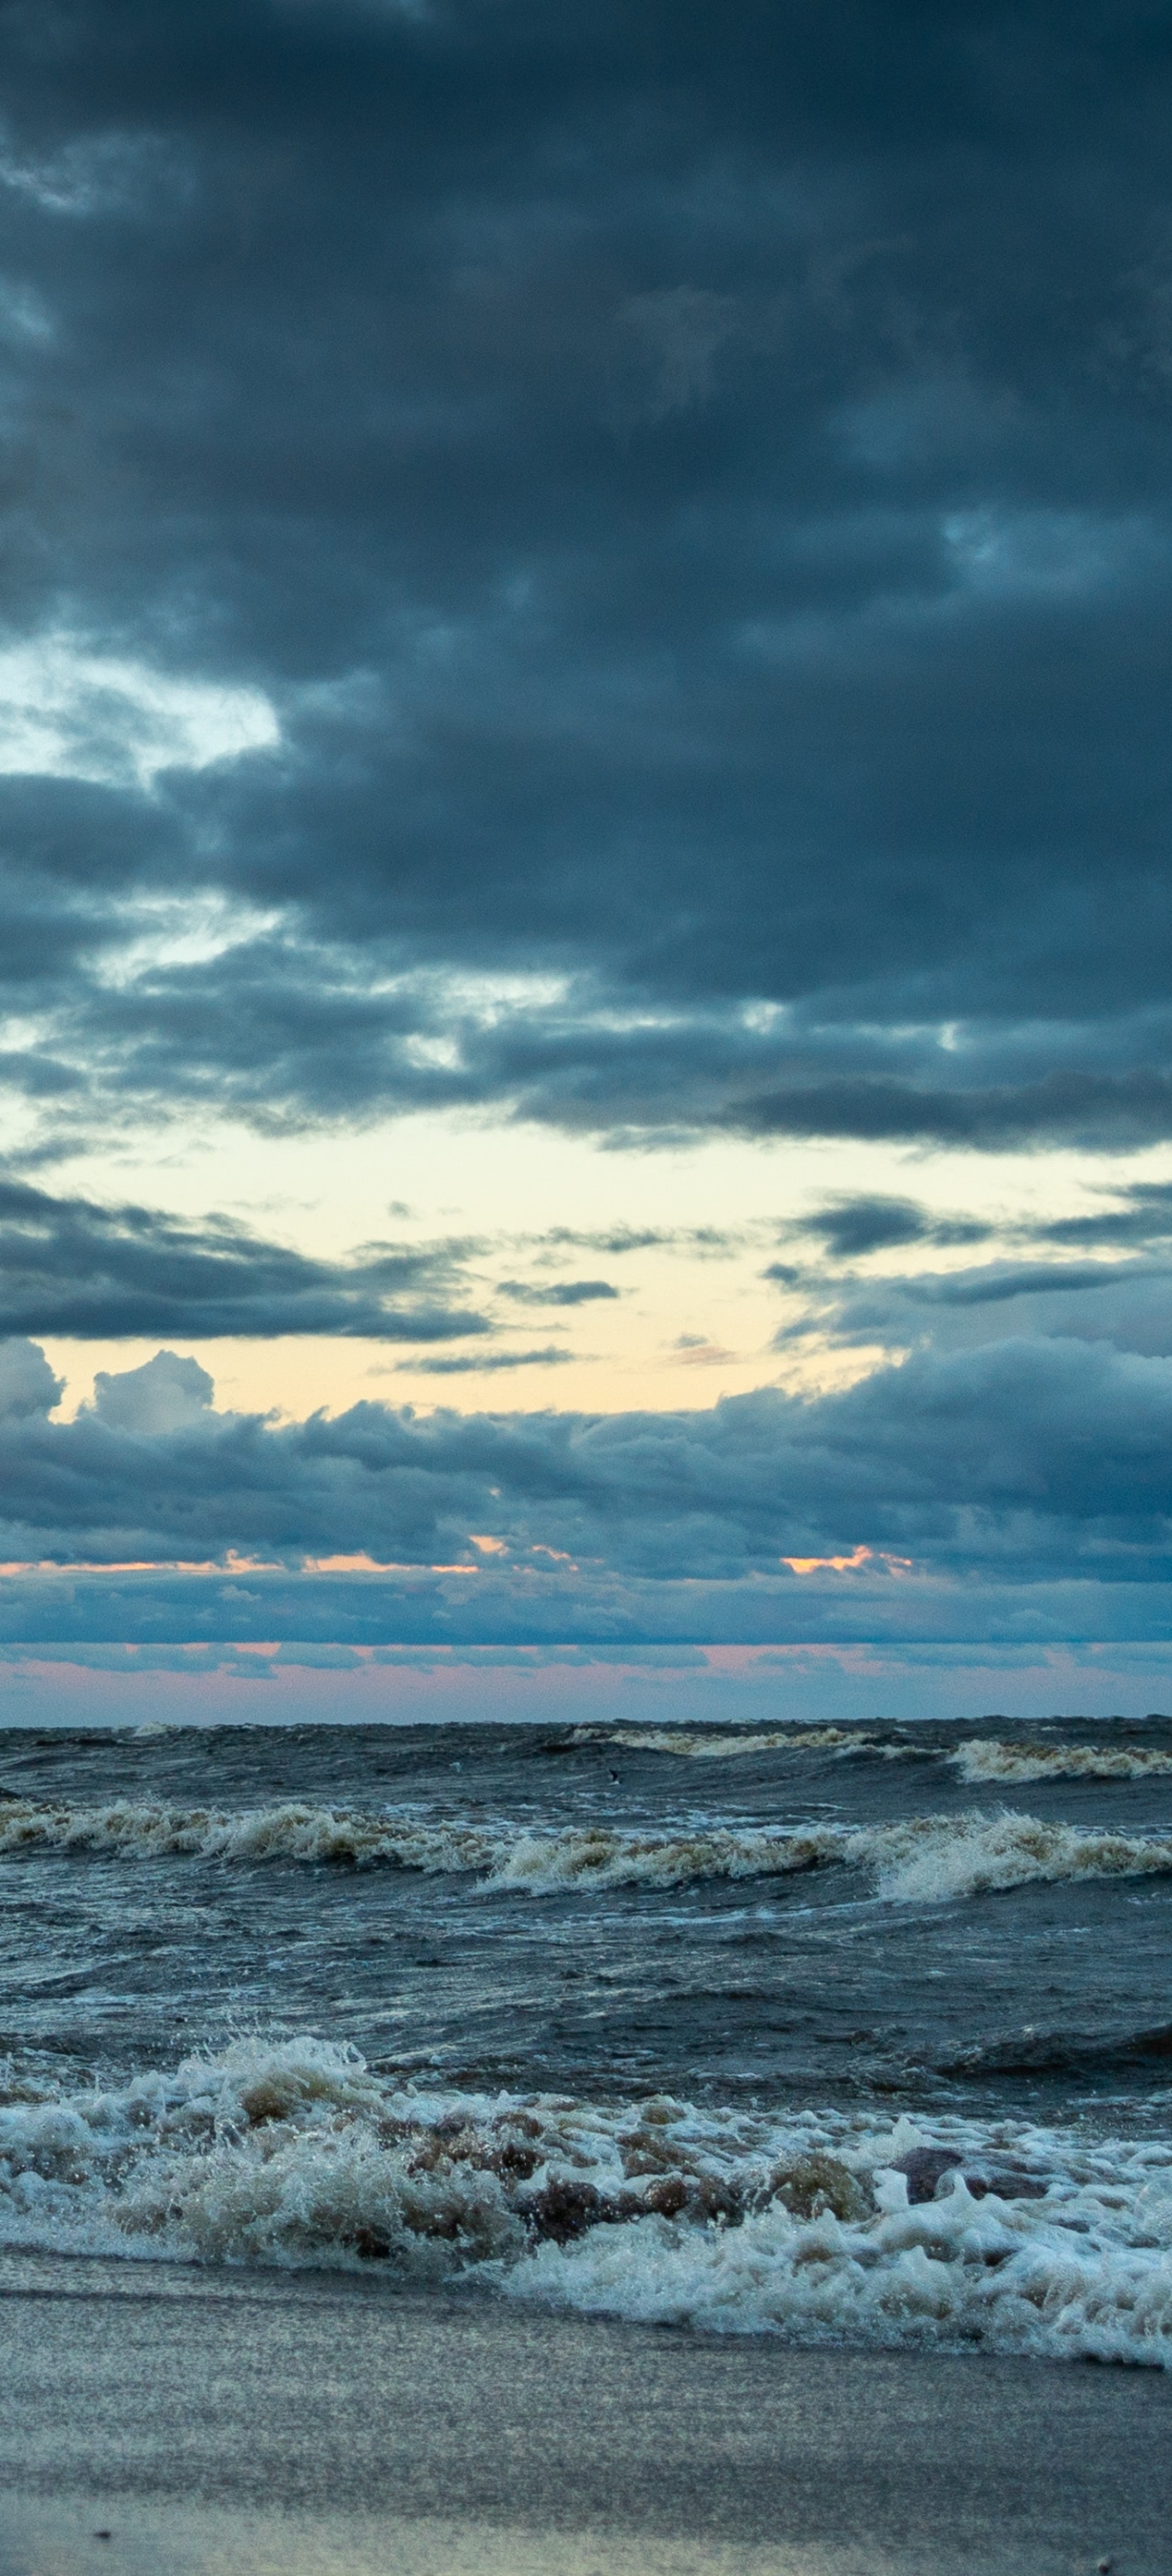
1017,1461
282,1035
692,488
105,1274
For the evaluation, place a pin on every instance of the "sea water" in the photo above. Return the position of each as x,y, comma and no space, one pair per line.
845,2034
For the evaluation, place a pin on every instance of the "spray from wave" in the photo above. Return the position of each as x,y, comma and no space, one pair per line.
825,2227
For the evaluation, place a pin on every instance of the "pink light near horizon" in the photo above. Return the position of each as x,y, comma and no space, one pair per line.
443,1686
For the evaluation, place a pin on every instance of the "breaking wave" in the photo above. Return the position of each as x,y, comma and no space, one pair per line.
132,1828
929,1857
826,2227
984,1759
920,1859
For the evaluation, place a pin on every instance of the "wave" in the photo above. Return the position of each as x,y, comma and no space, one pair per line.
928,1858
503,1855
827,2227
140,1829
700,1747
986,1759
920,1859
1062,2052
983,1759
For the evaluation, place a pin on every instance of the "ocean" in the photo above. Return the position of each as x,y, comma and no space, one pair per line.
856,2036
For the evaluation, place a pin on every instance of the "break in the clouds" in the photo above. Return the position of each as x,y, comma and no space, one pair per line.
625,549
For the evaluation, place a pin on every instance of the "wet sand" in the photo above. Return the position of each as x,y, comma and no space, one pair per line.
316,2424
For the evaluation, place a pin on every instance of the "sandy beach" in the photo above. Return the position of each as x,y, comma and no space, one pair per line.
252,2421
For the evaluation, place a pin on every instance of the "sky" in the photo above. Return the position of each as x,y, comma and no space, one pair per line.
585,891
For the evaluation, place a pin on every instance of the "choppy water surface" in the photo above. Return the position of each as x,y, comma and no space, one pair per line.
858,2031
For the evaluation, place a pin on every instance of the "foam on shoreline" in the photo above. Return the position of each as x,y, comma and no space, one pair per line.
823,2226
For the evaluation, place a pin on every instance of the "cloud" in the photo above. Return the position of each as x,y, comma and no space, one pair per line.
678,520
560,1292
863,1616
167,1394
854,1226
620,580
1125,1303
465,1362
70,1267
1133,1217
27,1383
1119,1293
284,1033
1142,1215
1014,1462
702,1242
999,1281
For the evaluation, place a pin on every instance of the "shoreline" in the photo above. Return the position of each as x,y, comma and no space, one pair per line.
241,2421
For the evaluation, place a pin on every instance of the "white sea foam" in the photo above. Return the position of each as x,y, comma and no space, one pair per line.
294,2153
1085,2274
917,1859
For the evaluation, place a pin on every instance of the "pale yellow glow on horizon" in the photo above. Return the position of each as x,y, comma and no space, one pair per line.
694,1319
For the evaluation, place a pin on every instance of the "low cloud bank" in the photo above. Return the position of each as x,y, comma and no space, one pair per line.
1017,1464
